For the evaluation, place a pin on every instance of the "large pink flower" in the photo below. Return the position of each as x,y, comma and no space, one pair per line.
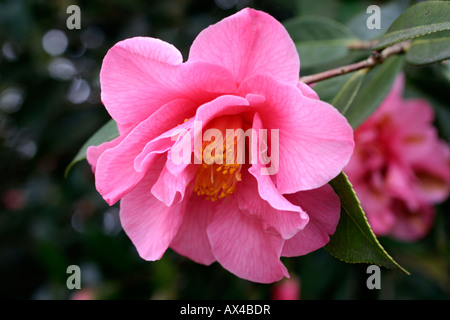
241,73
400,168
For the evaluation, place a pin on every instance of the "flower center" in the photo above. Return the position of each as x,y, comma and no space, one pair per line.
220,171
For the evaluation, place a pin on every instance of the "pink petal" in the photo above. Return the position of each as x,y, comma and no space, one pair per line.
367,157
148,222
223,105
115,173
168,185
277,214
413,146
315,140
411,225
323,207
140,75
247,43
376,205
162,143
275,211
241,246
398,184
307,91
417,111
192,240
94,152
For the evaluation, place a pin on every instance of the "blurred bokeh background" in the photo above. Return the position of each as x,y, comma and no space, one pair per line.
50,105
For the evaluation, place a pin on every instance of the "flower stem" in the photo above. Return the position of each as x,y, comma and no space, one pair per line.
375,58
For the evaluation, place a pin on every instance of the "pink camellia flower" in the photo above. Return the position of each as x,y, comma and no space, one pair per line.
242,73
400,168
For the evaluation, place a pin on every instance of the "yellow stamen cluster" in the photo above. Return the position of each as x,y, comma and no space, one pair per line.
217,179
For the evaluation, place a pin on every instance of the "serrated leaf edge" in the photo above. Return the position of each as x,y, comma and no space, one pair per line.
379,246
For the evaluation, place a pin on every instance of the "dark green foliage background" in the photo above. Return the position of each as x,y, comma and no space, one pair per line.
63,221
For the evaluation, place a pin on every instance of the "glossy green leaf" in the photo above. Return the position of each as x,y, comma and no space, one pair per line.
419,20
319,40
340,91
328,89
354,241
343,100
106,133
374,89
430,49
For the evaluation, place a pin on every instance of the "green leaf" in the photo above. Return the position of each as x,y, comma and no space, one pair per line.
343,100
328,89
319,40
430,49
354,241
106,133
340,91
374,89
419,20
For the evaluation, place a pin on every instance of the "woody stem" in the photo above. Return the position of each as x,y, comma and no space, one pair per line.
375,58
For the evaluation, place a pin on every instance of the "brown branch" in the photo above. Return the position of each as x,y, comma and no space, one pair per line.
362,45
375,58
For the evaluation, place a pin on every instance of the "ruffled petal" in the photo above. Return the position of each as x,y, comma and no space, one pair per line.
192,240
168,185
323,207
115,172
94,152
315,140
223,105
140,75
240,245
275,211
148,222
307,91
277,214
247,43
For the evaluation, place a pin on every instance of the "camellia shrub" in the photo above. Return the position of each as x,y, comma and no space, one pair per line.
236,156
